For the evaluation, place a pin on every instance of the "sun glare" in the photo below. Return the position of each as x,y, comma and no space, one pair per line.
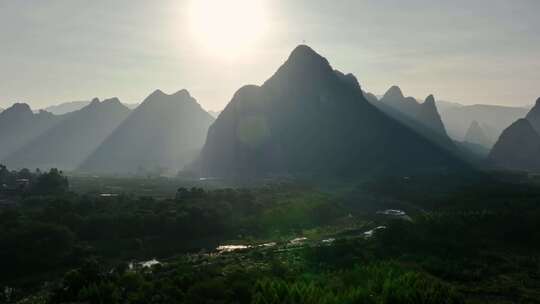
227,27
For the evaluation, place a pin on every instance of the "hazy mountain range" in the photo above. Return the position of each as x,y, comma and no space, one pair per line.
493,119
425,113
19,125
423,117
66,107
71,106
161,135
71,140
310,119
458,118
306,119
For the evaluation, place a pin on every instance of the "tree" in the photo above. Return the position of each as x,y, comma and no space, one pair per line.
52,182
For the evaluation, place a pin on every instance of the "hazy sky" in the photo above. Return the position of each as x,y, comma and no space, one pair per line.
469,51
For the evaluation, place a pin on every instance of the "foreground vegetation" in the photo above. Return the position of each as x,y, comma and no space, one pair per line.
466,240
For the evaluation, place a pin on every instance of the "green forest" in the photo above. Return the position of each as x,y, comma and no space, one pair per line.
469,239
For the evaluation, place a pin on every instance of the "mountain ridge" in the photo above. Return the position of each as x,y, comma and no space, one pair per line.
296,123
72,106
425,113
70,141
162,133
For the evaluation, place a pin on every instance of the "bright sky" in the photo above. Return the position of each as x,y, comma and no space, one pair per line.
468,51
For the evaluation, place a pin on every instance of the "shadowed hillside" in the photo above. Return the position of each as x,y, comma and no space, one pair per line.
518,147
67,107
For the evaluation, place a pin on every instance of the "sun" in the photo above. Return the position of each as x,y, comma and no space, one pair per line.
227,27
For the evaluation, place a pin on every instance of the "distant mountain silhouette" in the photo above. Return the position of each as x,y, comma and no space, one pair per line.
395,98
72,106
422,118
425,113
429,115
493,119
72,140
518,147
67,107
310,119
164,133
1,110
476,135
534,116
19,125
